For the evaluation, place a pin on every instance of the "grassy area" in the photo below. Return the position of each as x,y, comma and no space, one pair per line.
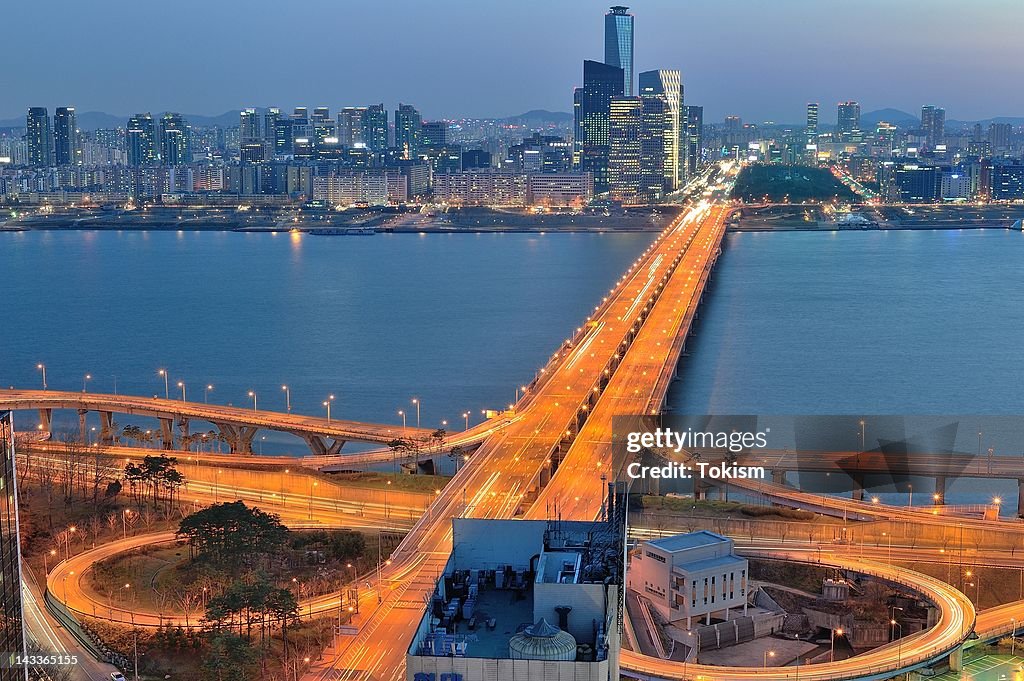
732,509
777,183
400,481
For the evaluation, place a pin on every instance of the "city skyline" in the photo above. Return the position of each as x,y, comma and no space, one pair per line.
716,68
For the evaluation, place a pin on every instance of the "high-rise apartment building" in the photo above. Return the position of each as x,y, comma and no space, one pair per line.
140,140
352,126
248,125
38,137
375,127
12,624
175,140
933,125
592,107
665,86
408,130
618,44
65,136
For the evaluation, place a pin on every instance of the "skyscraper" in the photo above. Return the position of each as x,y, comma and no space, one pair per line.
175,140
408,130
812,121
38,138
435,133
375,127
665,85
848,125
12,624
351,126
694,126
270,118
248,126
618,44
140,140
625,150
65,136
592,105
933,125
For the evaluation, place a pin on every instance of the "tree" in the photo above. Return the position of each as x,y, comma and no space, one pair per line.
233,532
231,658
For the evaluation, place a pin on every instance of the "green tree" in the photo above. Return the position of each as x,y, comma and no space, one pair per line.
233,533
230,658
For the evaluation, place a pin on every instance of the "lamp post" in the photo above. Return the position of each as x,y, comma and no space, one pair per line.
42,368
465,415
416,401
327,403
167,386
252,394
401,412
206,394
767,654
1013,636
832,653
287,398
313,484
386,488
181,384
85,380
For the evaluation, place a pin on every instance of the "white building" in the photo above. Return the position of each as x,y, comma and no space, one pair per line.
523,600
560,189
690,575
480,188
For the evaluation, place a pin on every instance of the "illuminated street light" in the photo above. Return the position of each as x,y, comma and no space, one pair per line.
287,398
206,394
167,387
327,403
85,379
252,394
416,401
832,654
42,368
181,384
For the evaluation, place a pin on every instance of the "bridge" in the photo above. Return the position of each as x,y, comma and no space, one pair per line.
237,425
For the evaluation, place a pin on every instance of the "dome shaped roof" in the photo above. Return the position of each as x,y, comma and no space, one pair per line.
542,641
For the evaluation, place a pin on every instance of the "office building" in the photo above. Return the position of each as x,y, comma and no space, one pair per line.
666,86
529,600
435,133
812,121
933,126
625,150
618,44
270,118
375,127
848,121
248,126
140,140
352,126
12,624
65,136
694,129
408,130
175,142
690,576
284,138
1007,183
592,109
911,183
38,137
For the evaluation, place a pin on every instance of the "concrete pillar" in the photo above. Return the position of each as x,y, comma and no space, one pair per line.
83,433
167,433
956,659
940,490
858,487
321,446
1020,496
106,427
183,426
45,419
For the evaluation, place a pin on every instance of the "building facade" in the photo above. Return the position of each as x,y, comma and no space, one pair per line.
592,112
618,44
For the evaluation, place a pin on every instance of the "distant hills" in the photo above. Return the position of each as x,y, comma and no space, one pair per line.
894,116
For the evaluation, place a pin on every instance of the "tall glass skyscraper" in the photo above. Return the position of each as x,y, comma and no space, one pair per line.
666,86
65,136
39,137
12,624
618,44
592,105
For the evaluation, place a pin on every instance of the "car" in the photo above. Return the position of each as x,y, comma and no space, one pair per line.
117,676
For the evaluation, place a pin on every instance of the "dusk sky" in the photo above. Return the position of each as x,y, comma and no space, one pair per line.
761,60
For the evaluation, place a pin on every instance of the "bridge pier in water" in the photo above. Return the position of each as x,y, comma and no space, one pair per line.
239,437
45,419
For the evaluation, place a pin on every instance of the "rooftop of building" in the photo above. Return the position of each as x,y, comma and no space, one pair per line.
691,540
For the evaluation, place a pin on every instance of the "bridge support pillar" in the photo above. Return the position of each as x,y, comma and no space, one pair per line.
83,432
858,487
183,426
106,427
239,437
940,490
956,659
321,446
167,433
45,419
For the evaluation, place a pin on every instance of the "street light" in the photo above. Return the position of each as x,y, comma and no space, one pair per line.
401,413
85,379
893,624
416,401
832,654
465,415
327,403
42,368
206,394
252,394
767,654
287,398
167,386
181,384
